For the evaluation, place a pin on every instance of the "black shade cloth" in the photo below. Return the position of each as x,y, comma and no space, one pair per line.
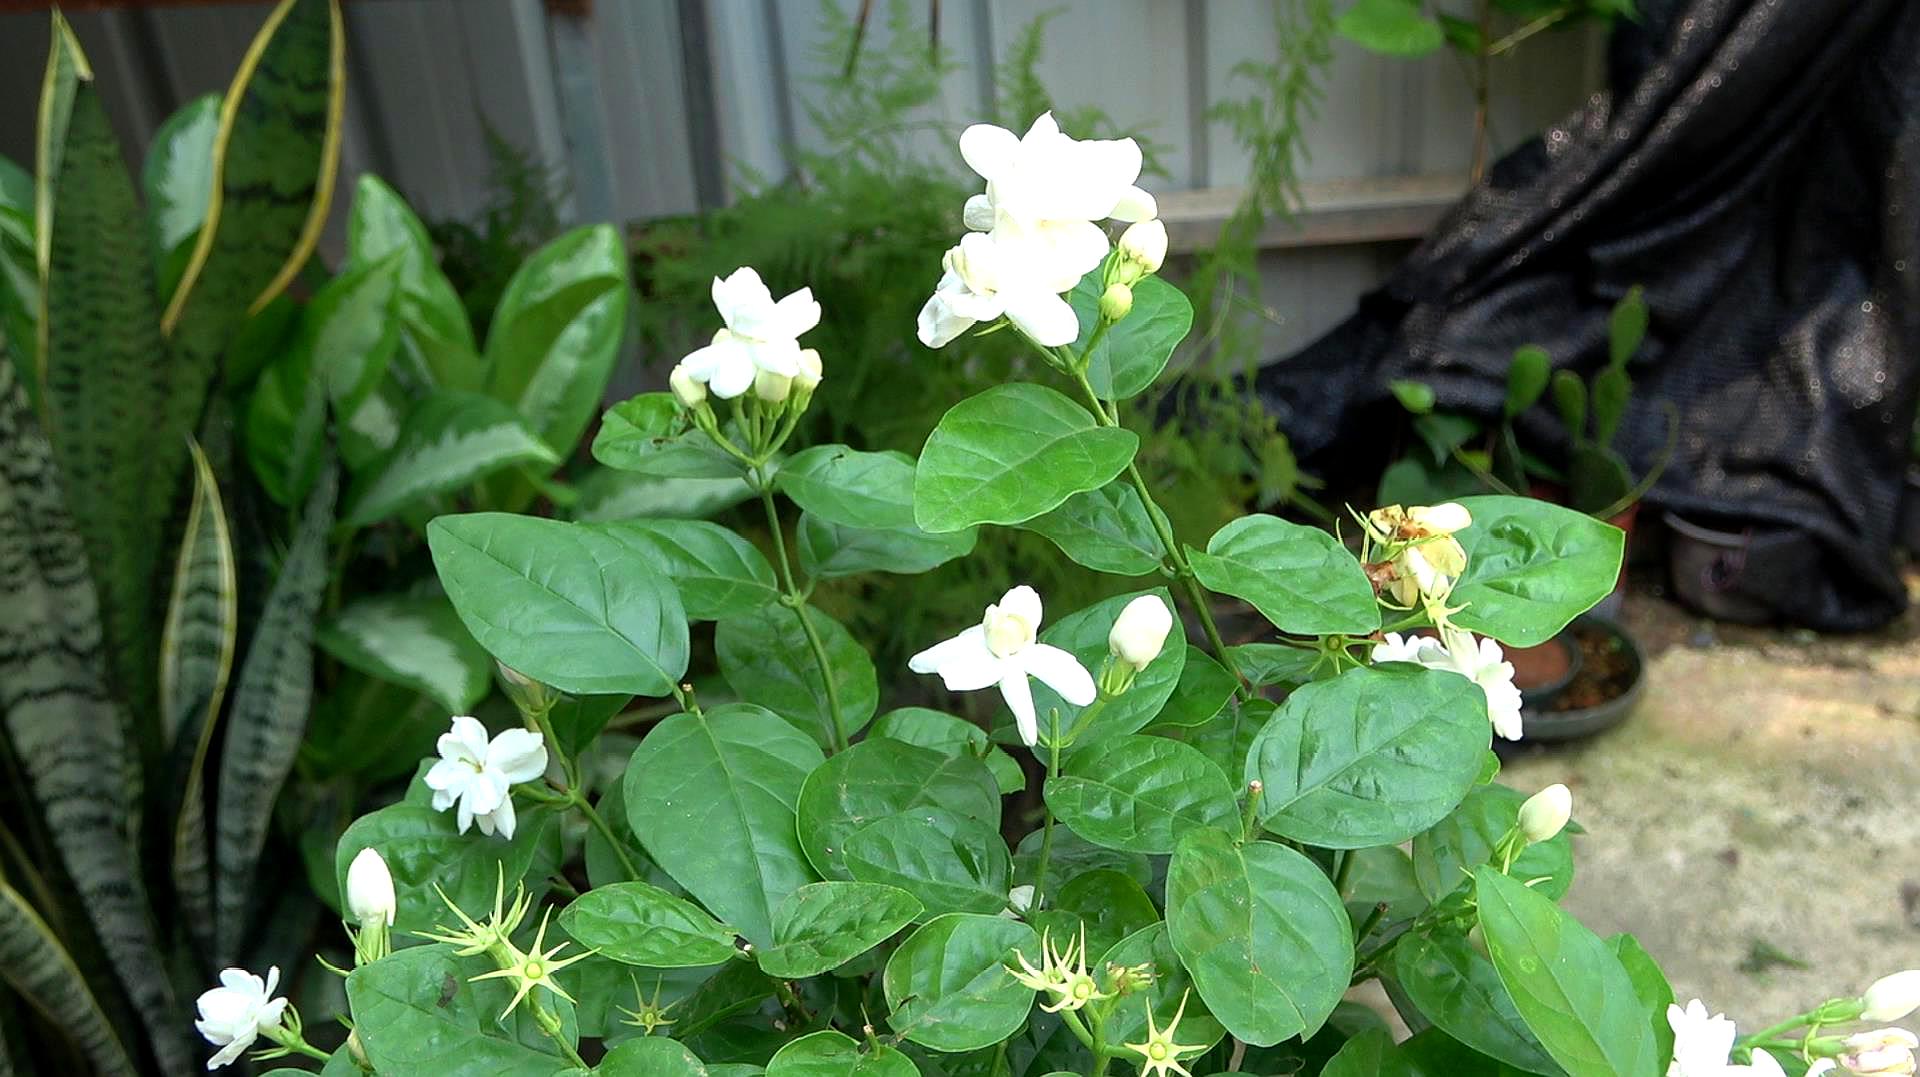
1754,169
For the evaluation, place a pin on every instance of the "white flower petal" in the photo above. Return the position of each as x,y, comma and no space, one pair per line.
740,293
1019,696
1044,127
735,374
978,213
449,775
1060,671
466,740
1022,602
503,818
1136,204
1045,317
778,356
796,313
227,1055
518,755
939,324
445,798
964,663
987,149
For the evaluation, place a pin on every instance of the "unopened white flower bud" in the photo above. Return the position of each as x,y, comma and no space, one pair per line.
1116,302
809,377
370,889
1892,997
1545,813
1140,631
689,392
772,388
1883,1052
1144,246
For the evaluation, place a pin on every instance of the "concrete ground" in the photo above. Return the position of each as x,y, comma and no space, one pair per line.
1754,823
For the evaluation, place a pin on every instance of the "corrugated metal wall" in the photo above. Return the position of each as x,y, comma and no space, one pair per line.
652,107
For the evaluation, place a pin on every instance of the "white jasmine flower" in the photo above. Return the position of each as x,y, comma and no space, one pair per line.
234,1014
1002,650
810,371
1892,997
1884,1051
1477,659
761,335
1143,250
1052,188
1701,1041
1019,901
478,774
689,392
985,279
1140,631
370,889
1546,813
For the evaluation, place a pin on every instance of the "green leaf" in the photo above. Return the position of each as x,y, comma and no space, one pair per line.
651,1056
1084,633
178,182
424,850
829,550
641,924
1105,529
1152,945
1569,987
1459,991
1269,664
62,723
39,969
822,926
1526,379
1261,931
1626,328
880,777
562,603
712,796
852,488
949,735
420,1011
1415,396
1205,686
718,573
198,643
1612,389
1298,577
1010,454
1072,856
434,329
1140,793
20,289
1570,397
1650,986
833,1054
1532,567
271,701
450,440
648,434
948,861
948,986
607,495
556,333
1393,27
1444,857
414,641
1370,1054
766,657
1435,1052
1135,349
1101,906
1371,757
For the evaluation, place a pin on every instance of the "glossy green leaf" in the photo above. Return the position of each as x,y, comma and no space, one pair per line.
1227,736
1269,664
766,657
948,986
948,861
949,735
649,434
1532,567
641,924
852,488
608,495
651,1056
1626,328
450,440
1262,933
1526,379
198,642
434,329
1393,27
1153,946
829,550
424,849
833,1054
1101,907
1073,855
1570,989
1084,633
1445,855
1134,350
19,285
712,796
562,603
1371,757
1204,688
420,1011
1140,793
415,641
271,700
1458,990
822,926
718,573
1298,577
35,964
1010,454
880,777
556,333
1106,529
1370,1054
1650,986
178,182
1435,1052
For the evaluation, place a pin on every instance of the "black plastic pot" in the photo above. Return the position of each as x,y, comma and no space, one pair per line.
1542,724
1540,695
1708,566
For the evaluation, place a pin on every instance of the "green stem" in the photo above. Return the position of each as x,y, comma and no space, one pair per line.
1342,872
1046,827
1101,1055
797,602
599,823
550,1025
1372,921
1250,819
1544,22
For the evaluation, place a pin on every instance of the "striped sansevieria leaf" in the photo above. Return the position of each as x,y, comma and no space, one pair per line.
35,965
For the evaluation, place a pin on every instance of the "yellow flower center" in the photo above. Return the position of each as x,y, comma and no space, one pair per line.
1007,633
534,970
1157,1052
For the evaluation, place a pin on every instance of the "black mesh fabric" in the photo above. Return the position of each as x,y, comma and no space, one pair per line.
1754,169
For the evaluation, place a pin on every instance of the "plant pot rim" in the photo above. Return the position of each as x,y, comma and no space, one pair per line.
1705,532
1548,726
1542,694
